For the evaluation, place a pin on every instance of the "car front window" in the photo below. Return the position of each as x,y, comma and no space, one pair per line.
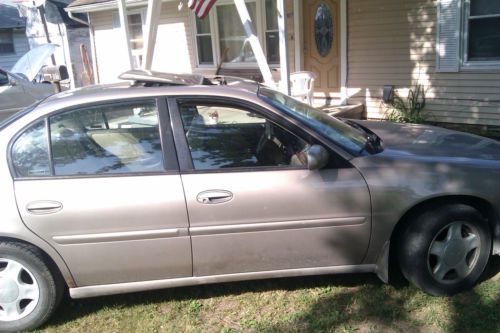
221,137
337,131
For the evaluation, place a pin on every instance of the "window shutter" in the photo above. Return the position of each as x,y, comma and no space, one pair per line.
448,35
116,20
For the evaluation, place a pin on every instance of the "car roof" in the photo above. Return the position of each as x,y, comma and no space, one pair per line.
144,86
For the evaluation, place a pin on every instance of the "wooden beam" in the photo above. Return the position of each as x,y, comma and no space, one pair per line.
152,16
254,41
122,12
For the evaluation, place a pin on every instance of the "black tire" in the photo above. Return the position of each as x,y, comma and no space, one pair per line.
430,232
50,285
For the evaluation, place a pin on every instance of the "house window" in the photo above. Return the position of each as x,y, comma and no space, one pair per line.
483,27
220,37
272,32
204,42
233,44
6,41
477,45
136,22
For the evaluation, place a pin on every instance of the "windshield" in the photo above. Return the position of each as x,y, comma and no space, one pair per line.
347,137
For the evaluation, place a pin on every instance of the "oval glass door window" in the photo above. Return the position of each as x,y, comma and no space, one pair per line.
323,29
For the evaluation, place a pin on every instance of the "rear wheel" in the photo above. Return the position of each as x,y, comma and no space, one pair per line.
29,292
445,250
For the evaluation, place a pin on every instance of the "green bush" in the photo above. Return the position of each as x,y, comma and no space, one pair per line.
409,109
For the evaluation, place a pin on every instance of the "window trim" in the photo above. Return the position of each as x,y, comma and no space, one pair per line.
465,63
184,154
170,162
192,18
115,17
260,26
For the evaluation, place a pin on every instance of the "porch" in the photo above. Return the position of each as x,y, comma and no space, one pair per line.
218,44
373,44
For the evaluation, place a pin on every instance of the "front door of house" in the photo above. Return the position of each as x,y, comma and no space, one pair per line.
322,44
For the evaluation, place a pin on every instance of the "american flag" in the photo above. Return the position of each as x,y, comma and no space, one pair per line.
201,7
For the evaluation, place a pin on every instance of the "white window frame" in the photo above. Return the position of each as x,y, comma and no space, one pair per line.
215,55
136,53
260,28
473,64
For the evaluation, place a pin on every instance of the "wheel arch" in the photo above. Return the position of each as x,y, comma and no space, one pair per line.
54,261
484,207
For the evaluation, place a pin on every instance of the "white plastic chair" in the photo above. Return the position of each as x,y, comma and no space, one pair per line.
303,86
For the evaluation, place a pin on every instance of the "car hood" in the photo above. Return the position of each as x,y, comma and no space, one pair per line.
430,141
32,61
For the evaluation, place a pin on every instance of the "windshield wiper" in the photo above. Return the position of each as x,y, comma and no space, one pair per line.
373,144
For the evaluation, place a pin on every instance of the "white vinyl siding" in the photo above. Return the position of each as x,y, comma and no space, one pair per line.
391,42
173,52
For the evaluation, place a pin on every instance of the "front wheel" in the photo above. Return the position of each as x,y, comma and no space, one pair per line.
29,292
445,250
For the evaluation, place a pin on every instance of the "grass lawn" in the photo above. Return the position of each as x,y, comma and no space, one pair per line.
341,303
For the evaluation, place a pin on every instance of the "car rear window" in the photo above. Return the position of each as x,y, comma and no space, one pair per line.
105,139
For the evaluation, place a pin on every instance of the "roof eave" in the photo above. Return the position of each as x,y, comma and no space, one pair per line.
20,27
110,5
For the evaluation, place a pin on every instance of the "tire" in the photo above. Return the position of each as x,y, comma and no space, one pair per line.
445,250
29,291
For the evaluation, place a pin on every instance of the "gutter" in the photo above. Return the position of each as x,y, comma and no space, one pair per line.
109,5
92,44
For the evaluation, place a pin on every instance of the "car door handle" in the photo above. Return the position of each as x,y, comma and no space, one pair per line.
44,207
214,197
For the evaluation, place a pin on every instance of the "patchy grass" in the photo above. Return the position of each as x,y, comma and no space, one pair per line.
346,303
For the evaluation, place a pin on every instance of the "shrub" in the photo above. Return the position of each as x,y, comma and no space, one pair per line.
409,109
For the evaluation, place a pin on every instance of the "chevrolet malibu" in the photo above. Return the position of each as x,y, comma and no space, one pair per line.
183,180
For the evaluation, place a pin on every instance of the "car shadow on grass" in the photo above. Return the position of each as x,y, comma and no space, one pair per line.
358,302
70,309
371,308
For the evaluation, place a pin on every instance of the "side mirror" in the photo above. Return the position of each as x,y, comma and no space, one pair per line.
12,82
317,157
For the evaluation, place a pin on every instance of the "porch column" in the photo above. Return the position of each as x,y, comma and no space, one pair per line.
283,36
122,12
254,41
152,16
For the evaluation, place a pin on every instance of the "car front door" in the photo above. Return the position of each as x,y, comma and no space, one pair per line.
253,204
100,183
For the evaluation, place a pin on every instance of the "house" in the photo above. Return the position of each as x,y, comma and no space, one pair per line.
13,41
67,33
355,47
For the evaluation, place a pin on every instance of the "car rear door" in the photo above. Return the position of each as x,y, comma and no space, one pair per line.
100,183
253,205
